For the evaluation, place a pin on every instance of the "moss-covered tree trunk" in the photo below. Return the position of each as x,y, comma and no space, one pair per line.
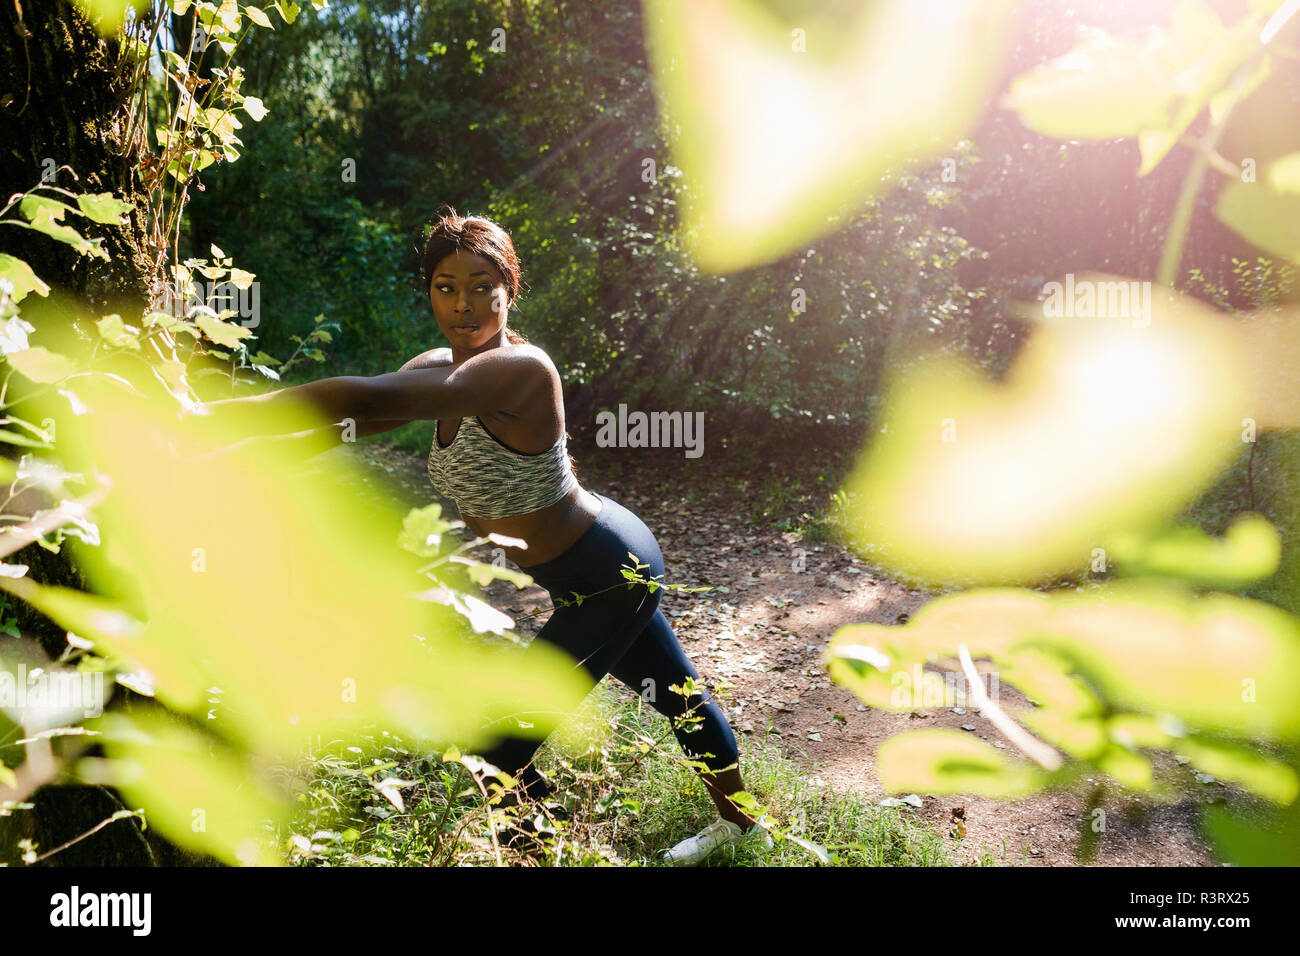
63,102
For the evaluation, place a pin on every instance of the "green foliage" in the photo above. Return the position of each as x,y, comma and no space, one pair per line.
627,797
168,640
1117,669
626,227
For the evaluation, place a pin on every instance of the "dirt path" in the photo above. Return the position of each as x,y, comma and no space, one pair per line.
764,631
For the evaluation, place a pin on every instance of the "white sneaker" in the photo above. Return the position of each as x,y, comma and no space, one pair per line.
694,850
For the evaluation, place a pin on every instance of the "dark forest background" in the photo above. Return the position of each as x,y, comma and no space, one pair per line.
550,137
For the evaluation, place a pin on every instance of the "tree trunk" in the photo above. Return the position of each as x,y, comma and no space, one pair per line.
61,102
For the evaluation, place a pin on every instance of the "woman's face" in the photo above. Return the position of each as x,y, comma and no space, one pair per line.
469,300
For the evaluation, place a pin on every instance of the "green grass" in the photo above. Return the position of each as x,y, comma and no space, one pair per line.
629,793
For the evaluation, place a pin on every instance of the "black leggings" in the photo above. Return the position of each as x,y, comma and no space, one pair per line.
621,632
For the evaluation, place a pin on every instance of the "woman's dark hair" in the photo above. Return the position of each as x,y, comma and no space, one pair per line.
479,235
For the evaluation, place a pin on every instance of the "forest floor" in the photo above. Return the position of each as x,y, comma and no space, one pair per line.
764,629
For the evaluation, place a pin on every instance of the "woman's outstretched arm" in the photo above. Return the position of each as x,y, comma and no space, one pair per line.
493,380
286,409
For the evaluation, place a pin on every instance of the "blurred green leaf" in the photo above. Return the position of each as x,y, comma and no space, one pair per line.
779,127
1284,174
199,793
1151,88
322,645
41,365
939,760
1217,662
117,334
1246,837
1104,424
1266,776
1249,550
1267,218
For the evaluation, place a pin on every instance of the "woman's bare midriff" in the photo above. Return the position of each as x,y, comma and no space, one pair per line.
549,532
552,530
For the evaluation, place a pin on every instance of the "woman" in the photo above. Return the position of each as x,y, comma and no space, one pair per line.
500,451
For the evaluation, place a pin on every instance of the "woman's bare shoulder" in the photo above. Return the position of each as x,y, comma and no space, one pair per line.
430,359
537,354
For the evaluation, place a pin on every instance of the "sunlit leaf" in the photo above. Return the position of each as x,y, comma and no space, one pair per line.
1044,677
199,794
939,760
41,365
1144,730
1267,218
1249,550
1081,736
21,275
1284,174
117,333
103,207
258,17
1102,89
1256,772
422,530
34,206
223,333
288,9
1228,96
44,220
164,320
1216,662
1131,769
483,574
1103,424
13,334
780,126
1150,88
484,617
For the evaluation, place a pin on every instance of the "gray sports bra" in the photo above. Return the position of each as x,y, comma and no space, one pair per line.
489,479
